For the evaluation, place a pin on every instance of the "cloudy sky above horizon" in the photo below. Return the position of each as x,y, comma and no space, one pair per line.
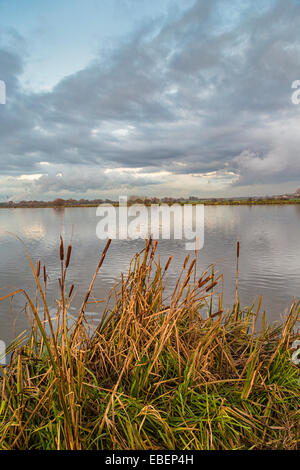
161,98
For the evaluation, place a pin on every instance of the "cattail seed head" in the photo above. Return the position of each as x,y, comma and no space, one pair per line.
191,267
217,313
185,261
38,268
168,263
238,249
61,250
201,282
212,285
45,274
153,249
69,251
71,290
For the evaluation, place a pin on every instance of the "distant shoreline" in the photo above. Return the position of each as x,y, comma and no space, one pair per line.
206,202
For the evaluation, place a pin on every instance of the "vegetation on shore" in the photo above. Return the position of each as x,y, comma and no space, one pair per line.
64,203
157,373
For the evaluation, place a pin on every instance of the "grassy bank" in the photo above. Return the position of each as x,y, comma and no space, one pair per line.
206,202
158,372
254,202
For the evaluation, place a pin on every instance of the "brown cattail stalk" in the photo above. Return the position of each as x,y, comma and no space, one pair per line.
186,282
237,277
79,320
95,275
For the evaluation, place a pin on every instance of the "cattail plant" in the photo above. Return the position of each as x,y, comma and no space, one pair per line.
160,371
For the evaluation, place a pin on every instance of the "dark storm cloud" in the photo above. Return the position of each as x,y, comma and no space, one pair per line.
206,91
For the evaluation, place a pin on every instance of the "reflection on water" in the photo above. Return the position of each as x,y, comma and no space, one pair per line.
269,256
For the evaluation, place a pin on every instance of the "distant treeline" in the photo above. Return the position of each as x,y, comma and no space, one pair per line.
58,203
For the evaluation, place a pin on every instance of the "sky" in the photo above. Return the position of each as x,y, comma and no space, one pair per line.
164,98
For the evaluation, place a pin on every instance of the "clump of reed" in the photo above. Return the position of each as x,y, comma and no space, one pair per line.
159,372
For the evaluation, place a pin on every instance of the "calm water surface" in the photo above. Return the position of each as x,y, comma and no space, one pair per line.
269,259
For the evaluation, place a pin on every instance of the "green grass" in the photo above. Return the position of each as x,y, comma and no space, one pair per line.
158,373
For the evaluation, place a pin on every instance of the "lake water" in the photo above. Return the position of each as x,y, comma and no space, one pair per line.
269,255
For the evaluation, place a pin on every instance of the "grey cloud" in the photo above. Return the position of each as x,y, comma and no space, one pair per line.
195,89
80,181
